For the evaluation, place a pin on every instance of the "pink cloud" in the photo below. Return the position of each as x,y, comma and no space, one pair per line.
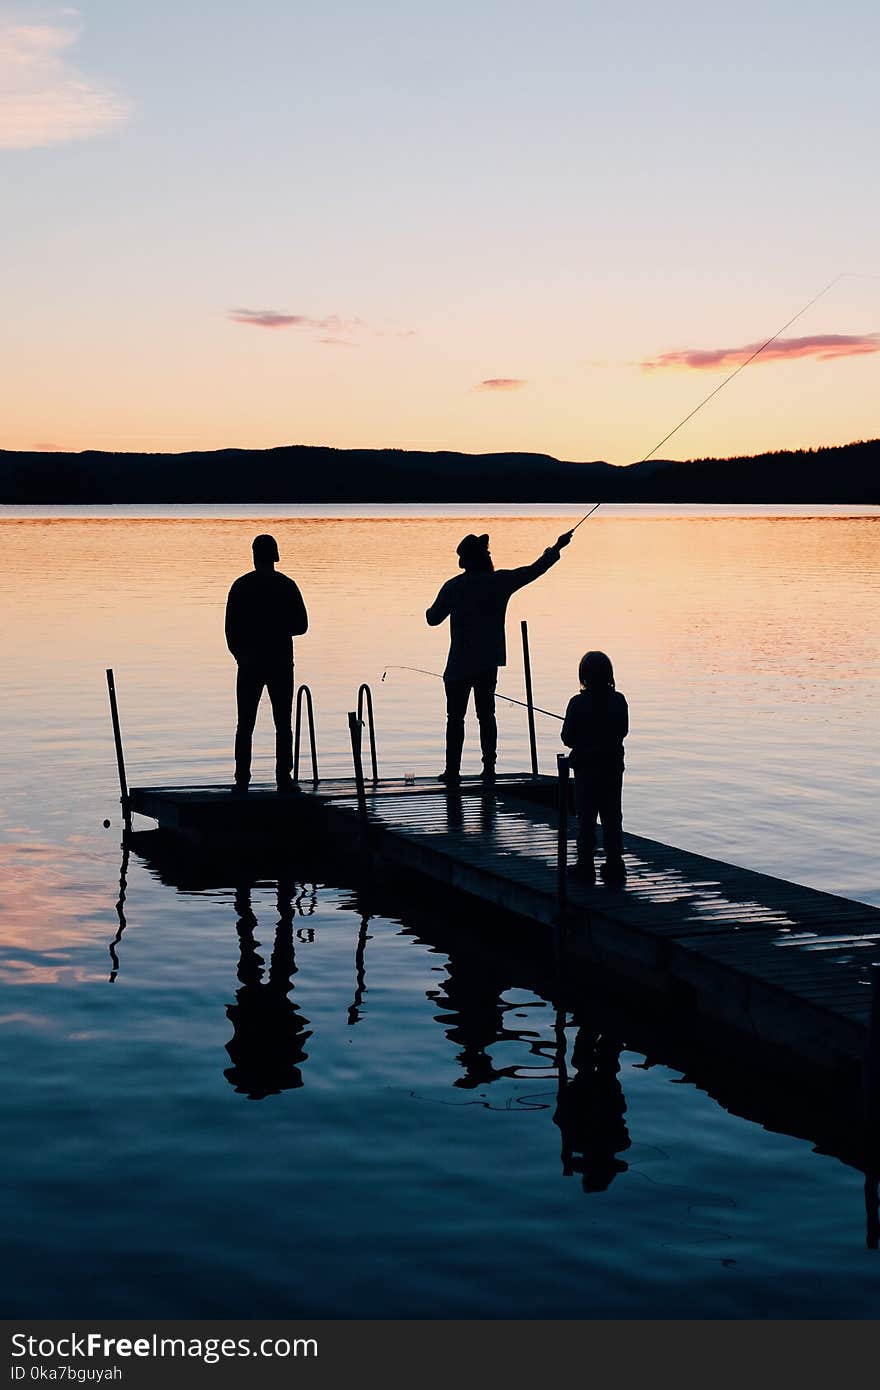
273,318
824,347
45,98
268,318
501,383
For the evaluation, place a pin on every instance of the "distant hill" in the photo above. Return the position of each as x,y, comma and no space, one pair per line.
298,473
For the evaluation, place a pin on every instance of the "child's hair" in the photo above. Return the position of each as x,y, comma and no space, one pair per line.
595,672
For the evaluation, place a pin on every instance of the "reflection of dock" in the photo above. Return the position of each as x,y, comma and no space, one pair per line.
783,966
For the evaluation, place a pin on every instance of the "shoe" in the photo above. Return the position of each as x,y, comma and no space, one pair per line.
452,779
239,789
287,787
583,873
488,773
613,873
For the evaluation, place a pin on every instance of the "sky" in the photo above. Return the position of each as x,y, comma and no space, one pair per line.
480,226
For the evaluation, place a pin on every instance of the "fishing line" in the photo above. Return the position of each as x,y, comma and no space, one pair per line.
844,275
509,698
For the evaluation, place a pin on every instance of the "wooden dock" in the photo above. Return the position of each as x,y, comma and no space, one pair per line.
784,967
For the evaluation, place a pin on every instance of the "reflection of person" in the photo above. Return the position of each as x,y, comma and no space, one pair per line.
264,611
596,723
267,1046
475,1015
476,604
590,1112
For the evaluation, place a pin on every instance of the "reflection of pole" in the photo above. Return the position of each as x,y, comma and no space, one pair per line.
530,704
354,1011
120,761
120,910
561,1086
871,1100
872,1209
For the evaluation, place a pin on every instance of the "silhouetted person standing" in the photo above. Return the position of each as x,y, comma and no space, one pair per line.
476,604
264,612
596,723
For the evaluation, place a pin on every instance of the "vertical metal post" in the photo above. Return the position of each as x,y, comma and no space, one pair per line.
562,835
354,729
120,760
530,704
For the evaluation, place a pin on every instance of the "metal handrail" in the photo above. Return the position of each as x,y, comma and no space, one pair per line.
365,691
304,692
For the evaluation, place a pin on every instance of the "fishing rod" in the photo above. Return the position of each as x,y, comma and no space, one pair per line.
742,366
509,698
844,275
584,518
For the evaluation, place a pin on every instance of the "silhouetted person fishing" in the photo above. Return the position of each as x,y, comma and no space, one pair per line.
475,603
264,612
596,723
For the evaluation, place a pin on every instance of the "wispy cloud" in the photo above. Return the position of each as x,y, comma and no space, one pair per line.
44,97
274,318
501,383
824,347
331,331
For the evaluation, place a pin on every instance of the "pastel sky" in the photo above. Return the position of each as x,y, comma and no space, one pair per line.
475,226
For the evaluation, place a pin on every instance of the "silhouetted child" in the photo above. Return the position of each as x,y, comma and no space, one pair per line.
596,723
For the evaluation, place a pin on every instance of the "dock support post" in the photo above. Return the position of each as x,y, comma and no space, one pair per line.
530,704
562,834
120,760
354,729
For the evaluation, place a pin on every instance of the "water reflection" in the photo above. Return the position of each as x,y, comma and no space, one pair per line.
590,1109
504,995
270,1031
120,910
360,958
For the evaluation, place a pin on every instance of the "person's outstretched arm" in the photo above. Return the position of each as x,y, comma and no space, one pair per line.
441,607
297,617
527,574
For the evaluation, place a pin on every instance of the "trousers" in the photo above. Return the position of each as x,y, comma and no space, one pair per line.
253,678
458,693
599,795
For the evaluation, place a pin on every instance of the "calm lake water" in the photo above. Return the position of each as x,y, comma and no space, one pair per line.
276,1097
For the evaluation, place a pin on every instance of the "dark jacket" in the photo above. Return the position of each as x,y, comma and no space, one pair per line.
264,611
476,605
594,729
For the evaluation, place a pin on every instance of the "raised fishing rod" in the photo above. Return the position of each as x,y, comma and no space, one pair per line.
844,275
509,698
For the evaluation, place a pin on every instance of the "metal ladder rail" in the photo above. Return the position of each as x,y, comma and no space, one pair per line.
365,694
305,693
